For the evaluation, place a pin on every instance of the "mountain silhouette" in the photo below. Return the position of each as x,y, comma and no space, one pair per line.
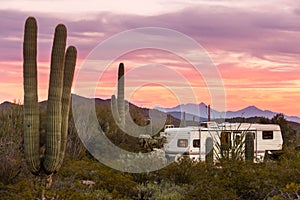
200,110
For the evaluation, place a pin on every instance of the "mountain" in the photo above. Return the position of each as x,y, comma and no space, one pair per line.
200,110
250,111
188,117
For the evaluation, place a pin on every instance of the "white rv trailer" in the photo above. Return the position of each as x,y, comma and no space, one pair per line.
193,141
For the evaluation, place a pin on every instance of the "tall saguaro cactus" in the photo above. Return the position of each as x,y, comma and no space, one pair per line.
118,104
59,94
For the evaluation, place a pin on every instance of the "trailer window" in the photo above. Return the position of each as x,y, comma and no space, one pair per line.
196,143
203,125
182,143
267,135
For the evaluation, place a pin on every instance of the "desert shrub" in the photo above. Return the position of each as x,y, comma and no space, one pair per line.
288,167
101,194
290,191
245,180
171,191
162,191
118,184
75,147
11,156
22,190
181,172
210,191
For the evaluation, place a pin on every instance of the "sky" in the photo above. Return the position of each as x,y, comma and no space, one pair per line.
254,45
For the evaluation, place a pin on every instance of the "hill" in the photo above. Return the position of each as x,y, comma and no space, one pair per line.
249,114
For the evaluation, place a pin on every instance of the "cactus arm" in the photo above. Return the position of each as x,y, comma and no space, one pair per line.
121,103
114,108
54,105
149,127
70,63
31,107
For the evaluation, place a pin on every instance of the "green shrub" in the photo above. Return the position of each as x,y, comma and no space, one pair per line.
161,191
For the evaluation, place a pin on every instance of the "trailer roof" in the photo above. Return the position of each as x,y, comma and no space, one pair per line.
226,126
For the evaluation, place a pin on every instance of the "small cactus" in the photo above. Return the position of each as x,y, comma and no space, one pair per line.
114,106
249,147
59,94
149,127
184,119
209,150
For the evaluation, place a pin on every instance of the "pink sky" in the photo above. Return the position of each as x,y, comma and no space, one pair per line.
254,45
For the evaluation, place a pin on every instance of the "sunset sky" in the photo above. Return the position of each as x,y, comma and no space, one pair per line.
254,44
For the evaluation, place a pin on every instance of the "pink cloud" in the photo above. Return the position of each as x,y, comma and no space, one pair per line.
257,77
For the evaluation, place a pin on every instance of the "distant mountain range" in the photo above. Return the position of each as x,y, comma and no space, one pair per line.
199,112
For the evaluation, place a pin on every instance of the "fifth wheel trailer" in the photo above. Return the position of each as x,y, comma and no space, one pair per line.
199,141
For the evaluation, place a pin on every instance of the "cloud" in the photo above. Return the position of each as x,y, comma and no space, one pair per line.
231,29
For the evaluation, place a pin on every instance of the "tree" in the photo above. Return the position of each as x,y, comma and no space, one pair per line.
288,133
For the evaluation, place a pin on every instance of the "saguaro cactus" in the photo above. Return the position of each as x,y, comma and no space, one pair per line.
149,127
249,147
120,111
59,94
184,119
209,150
118,104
